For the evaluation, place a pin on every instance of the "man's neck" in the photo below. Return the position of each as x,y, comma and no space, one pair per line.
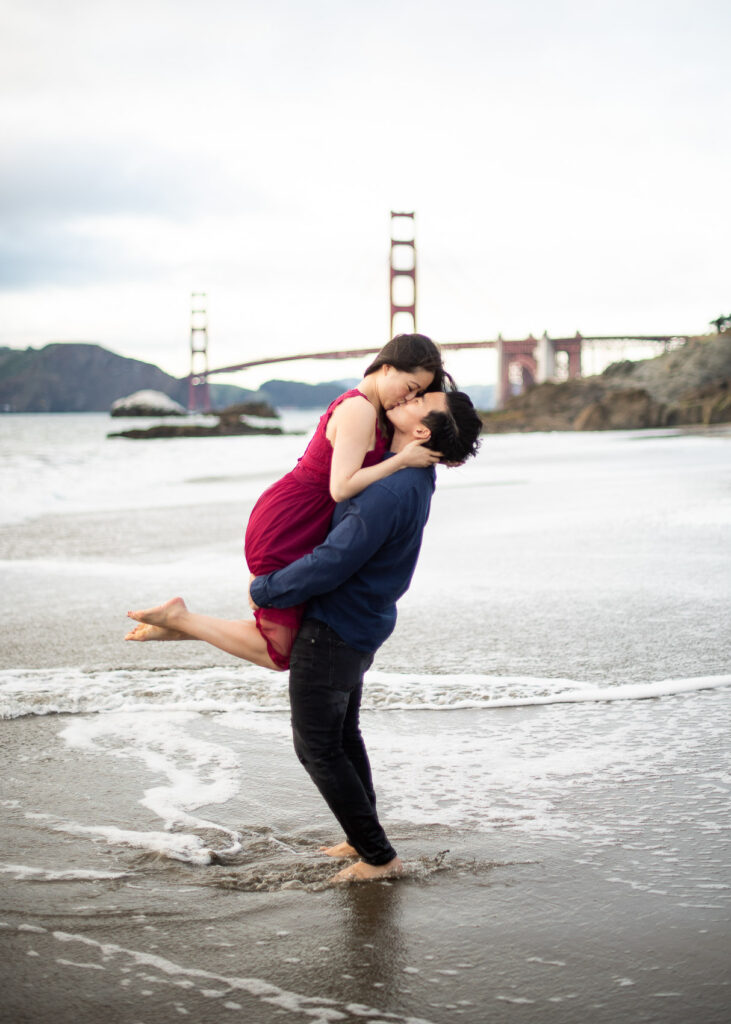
400,440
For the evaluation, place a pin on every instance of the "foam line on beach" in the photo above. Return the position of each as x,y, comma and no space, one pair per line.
488,692
183,847
193,773
25,873
316,1009
234,688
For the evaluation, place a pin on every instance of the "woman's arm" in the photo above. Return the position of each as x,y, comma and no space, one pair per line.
351,434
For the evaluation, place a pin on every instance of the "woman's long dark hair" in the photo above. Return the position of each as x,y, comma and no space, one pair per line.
414,352
408,352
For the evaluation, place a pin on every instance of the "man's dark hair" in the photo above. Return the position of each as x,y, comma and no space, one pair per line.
456,431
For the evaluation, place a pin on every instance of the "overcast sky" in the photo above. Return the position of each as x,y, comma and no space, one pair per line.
568,163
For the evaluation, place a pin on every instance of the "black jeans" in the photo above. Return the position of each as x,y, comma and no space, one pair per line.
325,687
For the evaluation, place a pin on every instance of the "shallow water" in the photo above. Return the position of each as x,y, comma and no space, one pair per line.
547,727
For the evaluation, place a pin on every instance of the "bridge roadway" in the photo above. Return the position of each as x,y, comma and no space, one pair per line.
355,353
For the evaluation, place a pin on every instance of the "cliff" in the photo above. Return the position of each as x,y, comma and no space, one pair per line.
689,385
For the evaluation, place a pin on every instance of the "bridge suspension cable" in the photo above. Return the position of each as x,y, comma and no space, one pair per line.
446,346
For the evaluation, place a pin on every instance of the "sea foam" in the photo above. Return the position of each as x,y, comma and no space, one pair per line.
230,688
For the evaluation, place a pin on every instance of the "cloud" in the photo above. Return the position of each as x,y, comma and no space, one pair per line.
78,176
67,211
565,162
62,182
40,254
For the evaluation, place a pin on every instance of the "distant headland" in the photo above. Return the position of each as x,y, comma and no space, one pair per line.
685,386
80,377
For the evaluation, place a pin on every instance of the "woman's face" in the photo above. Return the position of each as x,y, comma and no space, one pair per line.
399,386
407,416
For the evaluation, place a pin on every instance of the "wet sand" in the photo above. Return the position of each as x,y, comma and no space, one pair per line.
564,863
499,926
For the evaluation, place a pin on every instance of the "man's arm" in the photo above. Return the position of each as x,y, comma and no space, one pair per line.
363,529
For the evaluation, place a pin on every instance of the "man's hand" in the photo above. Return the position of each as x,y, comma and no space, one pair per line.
252,604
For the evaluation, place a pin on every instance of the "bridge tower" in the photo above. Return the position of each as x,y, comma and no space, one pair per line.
517,366
199,398
402,289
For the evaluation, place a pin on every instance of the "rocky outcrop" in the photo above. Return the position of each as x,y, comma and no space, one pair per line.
709,404
233,413
230,424
194,430
689,385
147,403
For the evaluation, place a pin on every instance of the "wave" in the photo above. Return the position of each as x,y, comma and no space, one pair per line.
23,873
79,691
167,974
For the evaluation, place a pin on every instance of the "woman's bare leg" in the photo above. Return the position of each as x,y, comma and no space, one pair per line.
239,637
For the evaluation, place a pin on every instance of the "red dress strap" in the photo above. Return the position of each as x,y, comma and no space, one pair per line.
314,465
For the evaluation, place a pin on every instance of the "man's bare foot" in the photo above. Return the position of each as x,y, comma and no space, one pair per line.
340,851
362,872
144,631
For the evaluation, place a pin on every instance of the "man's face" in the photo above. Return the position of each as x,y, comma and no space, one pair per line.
407,418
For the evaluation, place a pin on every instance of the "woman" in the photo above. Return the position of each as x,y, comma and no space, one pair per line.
293,516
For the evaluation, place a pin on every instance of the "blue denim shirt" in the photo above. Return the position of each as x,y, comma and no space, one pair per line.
353,580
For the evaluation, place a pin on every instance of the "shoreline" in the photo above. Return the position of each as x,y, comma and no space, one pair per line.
484,924
566,861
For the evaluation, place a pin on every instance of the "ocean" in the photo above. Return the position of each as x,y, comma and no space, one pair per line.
548,728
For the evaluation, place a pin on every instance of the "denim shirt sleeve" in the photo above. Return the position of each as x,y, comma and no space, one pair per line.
363,528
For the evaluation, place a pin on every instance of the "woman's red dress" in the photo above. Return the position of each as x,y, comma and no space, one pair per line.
289,520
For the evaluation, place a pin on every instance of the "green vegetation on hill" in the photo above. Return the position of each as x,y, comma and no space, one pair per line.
76,377
79,377
285,394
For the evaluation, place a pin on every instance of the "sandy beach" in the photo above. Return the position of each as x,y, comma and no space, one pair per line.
559,795
510,926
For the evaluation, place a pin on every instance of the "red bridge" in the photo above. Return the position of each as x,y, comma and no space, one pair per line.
520,363
534,359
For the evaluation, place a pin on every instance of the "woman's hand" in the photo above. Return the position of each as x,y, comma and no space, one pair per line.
414,454
254,607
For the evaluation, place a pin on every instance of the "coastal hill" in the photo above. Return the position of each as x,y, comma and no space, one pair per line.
78,377
689,385
71,377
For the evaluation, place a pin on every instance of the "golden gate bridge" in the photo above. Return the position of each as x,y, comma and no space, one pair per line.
534,359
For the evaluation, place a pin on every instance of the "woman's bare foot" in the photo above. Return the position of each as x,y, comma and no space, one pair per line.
166,615
341,851
144,631
362,872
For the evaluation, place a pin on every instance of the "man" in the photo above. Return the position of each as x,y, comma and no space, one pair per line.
351,584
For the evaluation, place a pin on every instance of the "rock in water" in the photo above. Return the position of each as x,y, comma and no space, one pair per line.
146,403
